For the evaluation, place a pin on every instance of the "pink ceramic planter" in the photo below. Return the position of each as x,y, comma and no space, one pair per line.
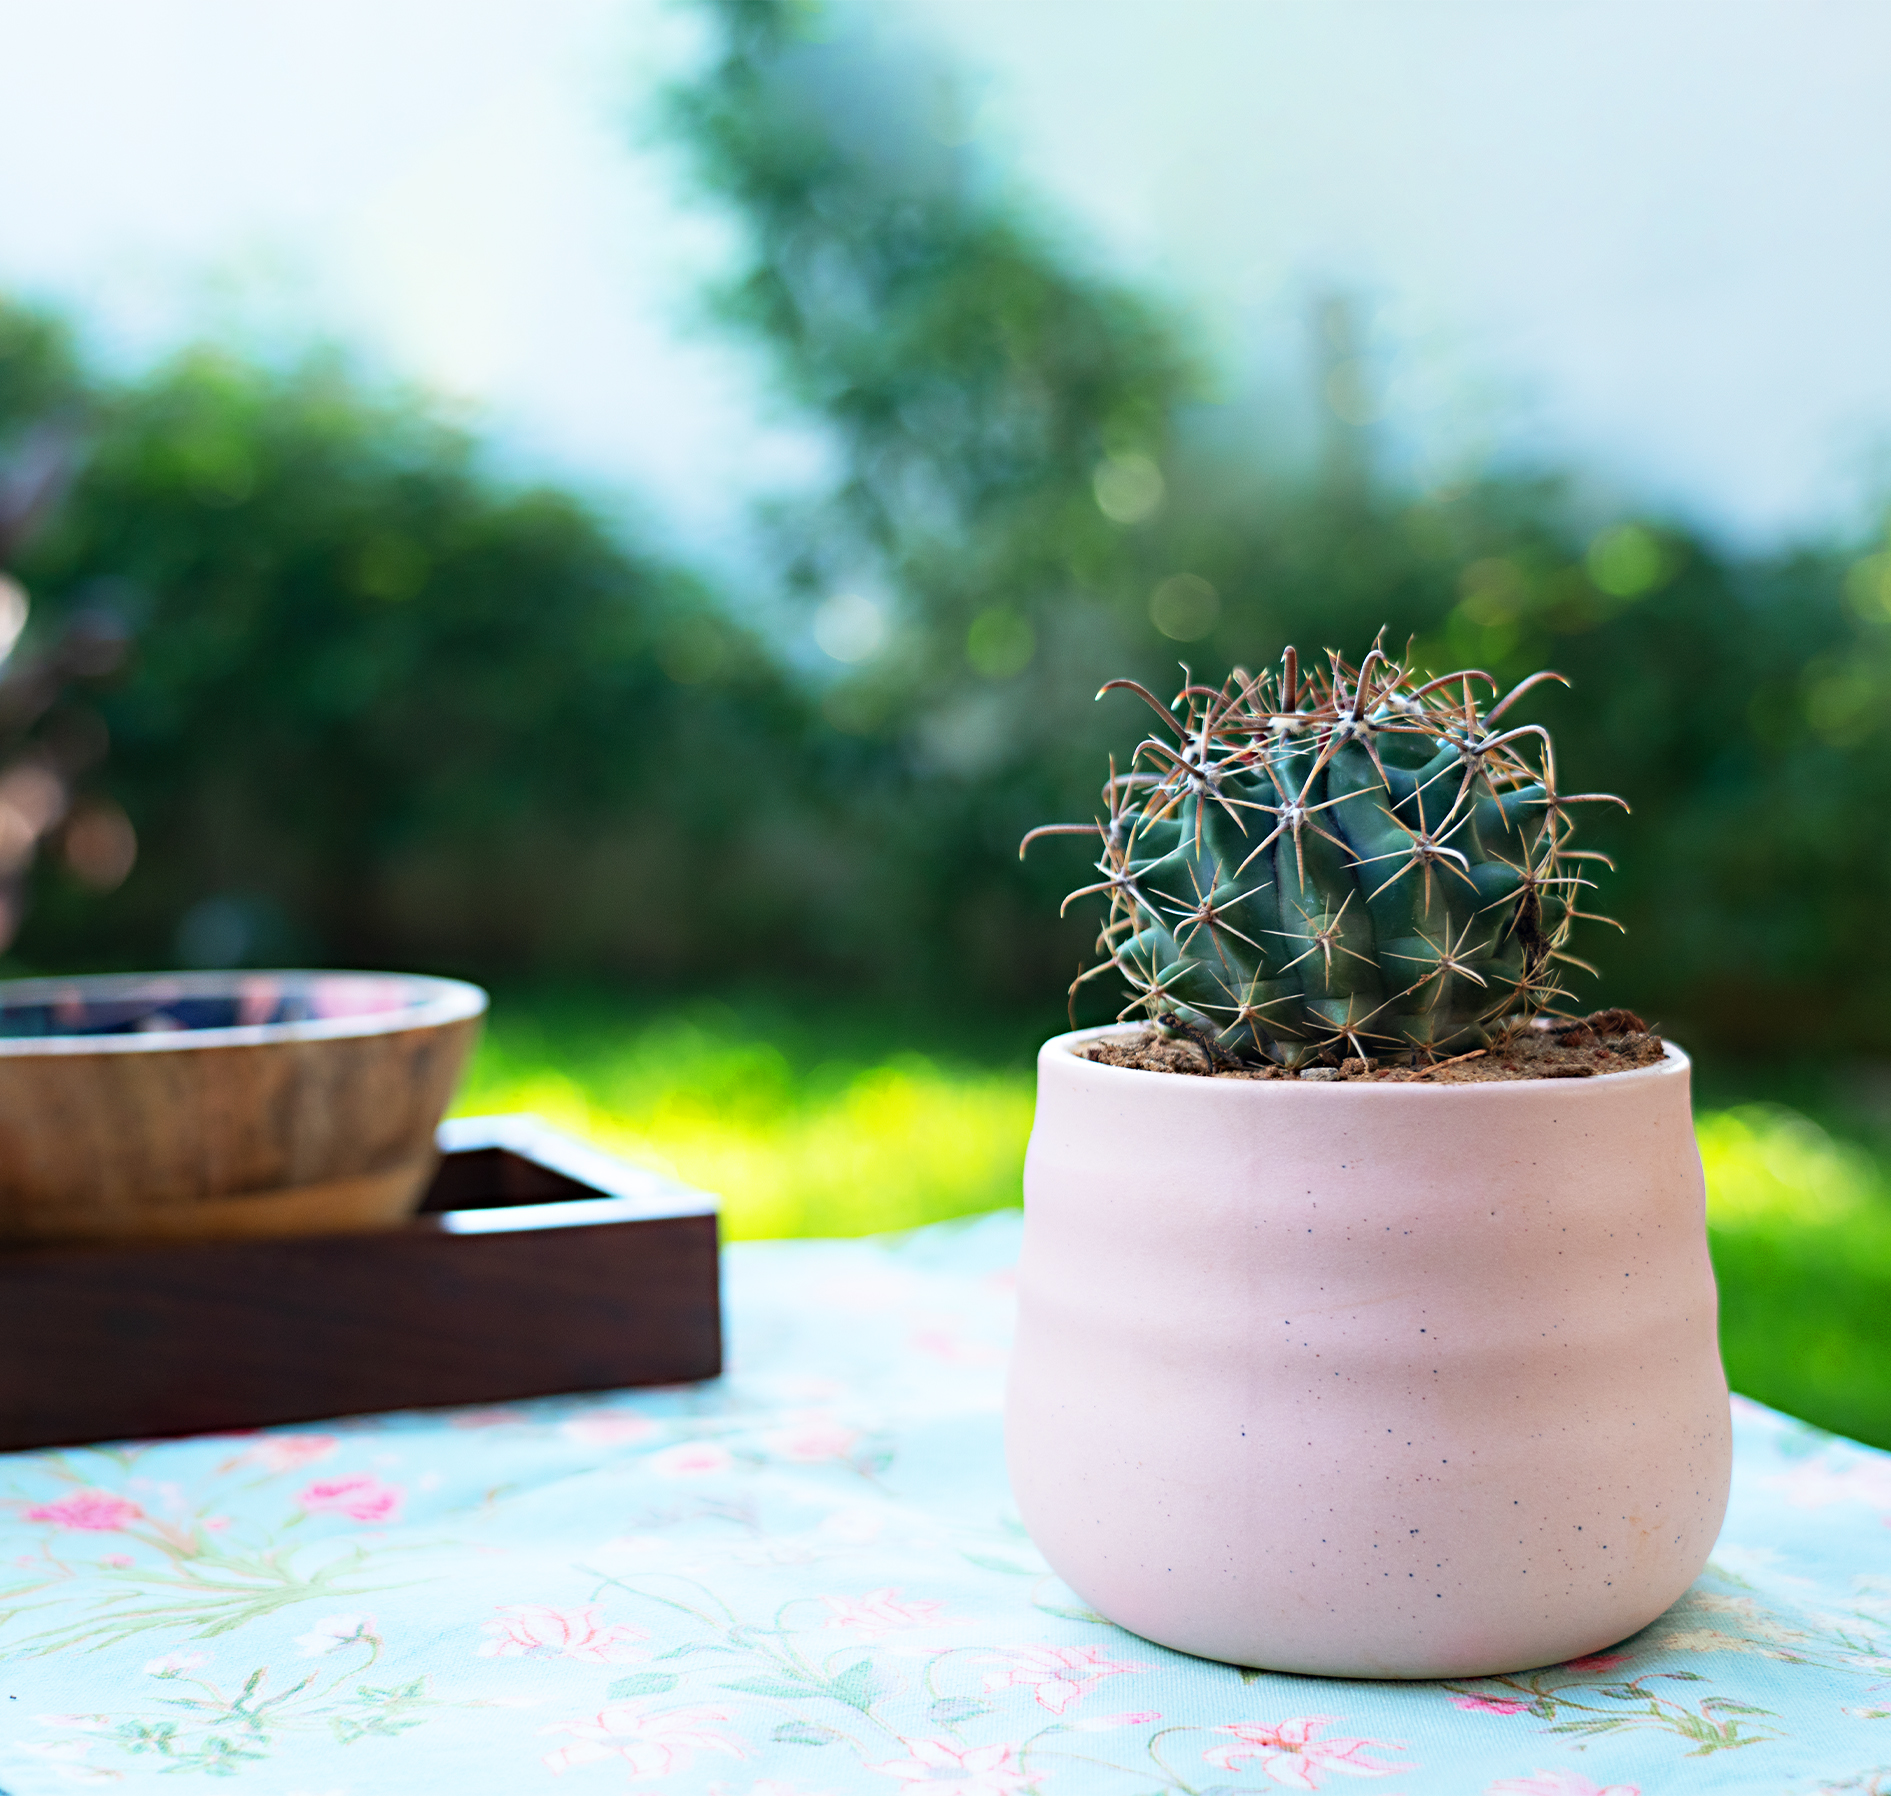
1370,1380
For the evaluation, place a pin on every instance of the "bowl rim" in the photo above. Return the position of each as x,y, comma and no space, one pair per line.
437,1001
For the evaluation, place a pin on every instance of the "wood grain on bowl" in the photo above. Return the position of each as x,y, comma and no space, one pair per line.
119,1122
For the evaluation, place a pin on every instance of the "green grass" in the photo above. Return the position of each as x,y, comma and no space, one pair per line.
839,1120
1800,1224
836,1122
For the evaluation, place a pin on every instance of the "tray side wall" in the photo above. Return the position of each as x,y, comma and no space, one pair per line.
108,1343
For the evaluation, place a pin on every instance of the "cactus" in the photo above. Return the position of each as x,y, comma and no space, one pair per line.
1349,861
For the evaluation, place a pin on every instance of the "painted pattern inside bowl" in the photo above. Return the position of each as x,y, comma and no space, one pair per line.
161,1005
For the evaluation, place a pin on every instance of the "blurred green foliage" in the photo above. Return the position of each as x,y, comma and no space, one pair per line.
386,706
818,1117
1036,482
1800,1223
40,374
383,707
974,376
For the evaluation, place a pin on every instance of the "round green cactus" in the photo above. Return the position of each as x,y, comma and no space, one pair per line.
1356,860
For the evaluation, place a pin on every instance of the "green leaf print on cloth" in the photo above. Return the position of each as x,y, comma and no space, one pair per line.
807,1579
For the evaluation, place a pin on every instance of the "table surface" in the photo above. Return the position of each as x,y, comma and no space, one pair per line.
807,1579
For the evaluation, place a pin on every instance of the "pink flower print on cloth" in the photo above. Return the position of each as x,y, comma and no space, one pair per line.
692,1459
90,1511
938,1768
360,1496
812,1439
1489,1705
877,1613
1056,1675
532,1630
286,1452
1291,1754
492,1416
1558,1783
608,1428
653,1742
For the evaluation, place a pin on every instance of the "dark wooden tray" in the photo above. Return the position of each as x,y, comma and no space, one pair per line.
536,1265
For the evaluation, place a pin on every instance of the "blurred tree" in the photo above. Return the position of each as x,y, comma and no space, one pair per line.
51,738
1033,497
1001,414
40,376
383,708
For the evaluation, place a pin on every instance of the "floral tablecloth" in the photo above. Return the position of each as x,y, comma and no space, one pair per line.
807,1580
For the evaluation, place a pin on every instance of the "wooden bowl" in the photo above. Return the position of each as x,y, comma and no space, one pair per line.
182,1106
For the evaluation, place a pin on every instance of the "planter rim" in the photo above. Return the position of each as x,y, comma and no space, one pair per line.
431,1003
1675,1063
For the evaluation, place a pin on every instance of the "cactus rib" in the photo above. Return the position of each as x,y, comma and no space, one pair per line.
1338,858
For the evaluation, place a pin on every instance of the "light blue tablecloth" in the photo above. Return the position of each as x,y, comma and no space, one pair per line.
807,1580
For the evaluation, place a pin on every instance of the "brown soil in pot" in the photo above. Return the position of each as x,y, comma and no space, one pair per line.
1607,1041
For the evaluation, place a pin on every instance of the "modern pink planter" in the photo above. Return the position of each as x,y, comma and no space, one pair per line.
1369,1380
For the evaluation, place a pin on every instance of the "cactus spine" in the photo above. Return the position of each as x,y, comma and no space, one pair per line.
1354,860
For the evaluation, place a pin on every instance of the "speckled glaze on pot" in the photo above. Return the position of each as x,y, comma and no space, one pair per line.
1371,1380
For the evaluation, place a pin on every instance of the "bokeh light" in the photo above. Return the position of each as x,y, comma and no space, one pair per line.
1184,607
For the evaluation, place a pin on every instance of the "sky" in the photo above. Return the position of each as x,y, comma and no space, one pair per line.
1646,240
1651,237
463,189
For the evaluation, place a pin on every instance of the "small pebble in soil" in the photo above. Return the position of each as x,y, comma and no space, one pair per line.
1320,1072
